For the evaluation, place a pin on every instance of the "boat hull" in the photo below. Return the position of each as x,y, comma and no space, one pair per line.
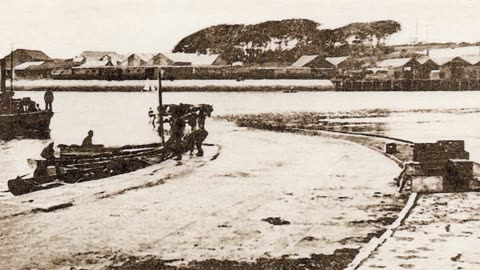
31,124
81,169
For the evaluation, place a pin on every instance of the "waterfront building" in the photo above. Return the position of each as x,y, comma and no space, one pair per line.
451,68
428,69
42,69
136,60
113,57
401,68
314,61
186,59
23,55
472,71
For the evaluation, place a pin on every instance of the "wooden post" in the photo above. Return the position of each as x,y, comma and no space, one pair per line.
161,130
3,74
11,80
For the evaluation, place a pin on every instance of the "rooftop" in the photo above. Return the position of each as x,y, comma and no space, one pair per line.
392,63
336,60
193,58
303,60
25,65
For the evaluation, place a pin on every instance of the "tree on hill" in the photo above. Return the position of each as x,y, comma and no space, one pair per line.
286,40
383,29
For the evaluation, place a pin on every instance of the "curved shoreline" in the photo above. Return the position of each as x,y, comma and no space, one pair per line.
372,142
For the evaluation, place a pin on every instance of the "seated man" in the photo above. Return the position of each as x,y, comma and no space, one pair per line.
48,153
87,142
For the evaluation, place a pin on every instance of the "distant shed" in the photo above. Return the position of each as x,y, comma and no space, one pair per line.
452,68
314,61
23,55
137,60
428,69
472,72
401,68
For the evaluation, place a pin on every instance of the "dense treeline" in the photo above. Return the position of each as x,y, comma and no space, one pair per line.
286,40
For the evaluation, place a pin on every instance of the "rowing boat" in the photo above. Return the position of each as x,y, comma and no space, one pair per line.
92,165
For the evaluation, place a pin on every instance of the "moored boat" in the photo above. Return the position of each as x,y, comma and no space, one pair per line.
75,169
19,116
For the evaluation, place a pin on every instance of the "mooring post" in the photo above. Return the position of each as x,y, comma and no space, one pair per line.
161,130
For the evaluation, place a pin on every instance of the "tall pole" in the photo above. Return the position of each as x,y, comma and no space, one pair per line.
161,130
11,79
11,69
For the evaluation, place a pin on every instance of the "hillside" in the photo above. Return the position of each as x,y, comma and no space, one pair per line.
284,41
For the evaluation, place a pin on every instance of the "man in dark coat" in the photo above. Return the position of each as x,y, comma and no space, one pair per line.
48,97
48,153
178,128
196,139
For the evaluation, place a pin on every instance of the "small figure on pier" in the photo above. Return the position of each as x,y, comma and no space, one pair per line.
152,116
48,97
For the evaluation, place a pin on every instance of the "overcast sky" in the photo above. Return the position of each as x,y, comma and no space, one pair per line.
64,28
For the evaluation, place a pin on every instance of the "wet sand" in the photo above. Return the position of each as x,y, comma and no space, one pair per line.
215,214
440,231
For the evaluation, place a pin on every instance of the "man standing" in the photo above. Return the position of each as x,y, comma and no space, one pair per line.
176,133
48,97
152,116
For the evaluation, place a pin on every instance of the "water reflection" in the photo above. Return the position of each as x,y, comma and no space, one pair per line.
122,118
7,135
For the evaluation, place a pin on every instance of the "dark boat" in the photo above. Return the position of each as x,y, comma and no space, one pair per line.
92,164
19,116
32,121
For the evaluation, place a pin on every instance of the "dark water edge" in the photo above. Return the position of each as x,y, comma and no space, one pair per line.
176,88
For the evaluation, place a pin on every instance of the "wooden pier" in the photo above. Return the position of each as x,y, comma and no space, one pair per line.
406,85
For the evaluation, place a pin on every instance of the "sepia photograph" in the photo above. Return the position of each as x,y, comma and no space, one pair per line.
239,135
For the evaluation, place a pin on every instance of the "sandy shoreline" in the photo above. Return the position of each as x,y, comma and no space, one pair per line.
213,215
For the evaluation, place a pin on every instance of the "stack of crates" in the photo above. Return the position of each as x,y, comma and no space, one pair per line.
445,159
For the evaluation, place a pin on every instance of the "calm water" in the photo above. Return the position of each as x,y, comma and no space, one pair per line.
121,118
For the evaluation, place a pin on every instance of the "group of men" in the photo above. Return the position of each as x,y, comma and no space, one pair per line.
180,116
48,155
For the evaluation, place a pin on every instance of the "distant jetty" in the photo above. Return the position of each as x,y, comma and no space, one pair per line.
406,85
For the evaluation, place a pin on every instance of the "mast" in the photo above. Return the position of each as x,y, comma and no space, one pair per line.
161,130
11,69
10,96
